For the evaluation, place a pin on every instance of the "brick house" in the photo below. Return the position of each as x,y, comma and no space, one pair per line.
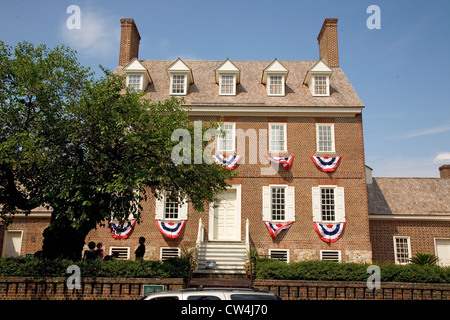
303,191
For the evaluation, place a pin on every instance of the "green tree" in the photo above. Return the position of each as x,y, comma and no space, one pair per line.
88,149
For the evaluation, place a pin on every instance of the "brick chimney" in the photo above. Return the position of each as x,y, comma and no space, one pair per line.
129,41
445,171
328,43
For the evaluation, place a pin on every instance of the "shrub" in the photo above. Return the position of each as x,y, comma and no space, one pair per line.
175,268
331,271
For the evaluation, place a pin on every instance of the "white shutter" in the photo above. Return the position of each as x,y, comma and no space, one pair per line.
316,204
266,203
340,204
159,212
290,204
183,211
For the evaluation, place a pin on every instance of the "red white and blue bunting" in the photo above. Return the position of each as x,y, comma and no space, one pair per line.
329,232
285,161
326,164
171,229
276,228
121,231
230,162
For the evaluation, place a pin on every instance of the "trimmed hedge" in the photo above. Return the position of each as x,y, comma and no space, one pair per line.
172,268
331,271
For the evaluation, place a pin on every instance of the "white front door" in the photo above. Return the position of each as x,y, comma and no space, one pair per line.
225,217
443,251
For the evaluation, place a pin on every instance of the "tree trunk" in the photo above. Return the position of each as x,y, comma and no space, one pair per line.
62,240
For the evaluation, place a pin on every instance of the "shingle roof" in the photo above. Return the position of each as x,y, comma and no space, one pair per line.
409,196
250,91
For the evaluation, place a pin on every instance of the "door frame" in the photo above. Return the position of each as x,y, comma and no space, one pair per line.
237,216
435,247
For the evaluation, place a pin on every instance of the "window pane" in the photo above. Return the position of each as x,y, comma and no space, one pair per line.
278,203
276,85
325,138
320,85
227,85
134,82
402,250
170,208
277,138
178,83
226,141
327,204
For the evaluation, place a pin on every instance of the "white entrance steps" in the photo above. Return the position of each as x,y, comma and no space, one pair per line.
221,258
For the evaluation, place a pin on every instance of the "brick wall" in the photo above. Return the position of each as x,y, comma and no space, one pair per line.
421,233
18,288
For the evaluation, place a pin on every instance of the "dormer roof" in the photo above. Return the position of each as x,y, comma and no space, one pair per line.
228,67
274,68
180,67
135,66
318,68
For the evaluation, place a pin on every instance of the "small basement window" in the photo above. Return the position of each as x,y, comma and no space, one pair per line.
123,252
279,254
330,255
169,252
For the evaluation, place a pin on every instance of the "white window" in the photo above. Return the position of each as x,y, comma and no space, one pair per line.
170,209
325,137
178,84
122,253
330,255
169,252
277,136
279,254
227,85
402,250
226,141
320,85
12,243
328,204
276,85
135,81
278,203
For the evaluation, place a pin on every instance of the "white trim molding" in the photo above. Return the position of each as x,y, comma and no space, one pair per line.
408,217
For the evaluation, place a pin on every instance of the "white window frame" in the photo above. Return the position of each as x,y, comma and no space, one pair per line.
327,86
280,250
116,247
408,239
141,81
220,139
284,125
269,85
160,210
289,204
339,204
184,84
334,251
333,148
221,93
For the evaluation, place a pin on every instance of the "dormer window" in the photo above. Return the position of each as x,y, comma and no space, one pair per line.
227,76
276,85
178,84
318,79
274,77
180,76
138,76
135,82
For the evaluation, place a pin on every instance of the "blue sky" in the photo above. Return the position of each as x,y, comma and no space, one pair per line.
400,71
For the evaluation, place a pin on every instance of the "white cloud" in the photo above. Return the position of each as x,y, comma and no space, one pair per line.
401,166
442,157
98,34
442,128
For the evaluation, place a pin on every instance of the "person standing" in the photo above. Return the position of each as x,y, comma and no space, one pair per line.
140,251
